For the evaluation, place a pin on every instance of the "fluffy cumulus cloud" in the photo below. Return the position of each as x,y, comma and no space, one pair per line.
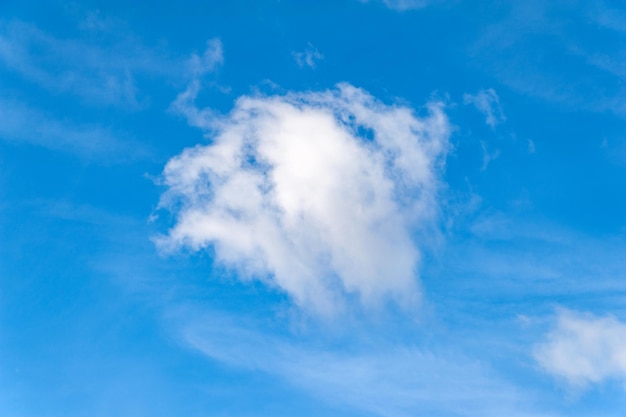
584,349
488,103
326,195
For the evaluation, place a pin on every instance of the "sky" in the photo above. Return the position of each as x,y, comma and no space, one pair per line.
382,208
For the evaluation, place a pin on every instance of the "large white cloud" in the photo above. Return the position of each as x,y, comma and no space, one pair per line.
326,195
584,349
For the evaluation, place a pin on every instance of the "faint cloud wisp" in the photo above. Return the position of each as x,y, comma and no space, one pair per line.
22,124
309,57
390,381
100,73
405,5
488,103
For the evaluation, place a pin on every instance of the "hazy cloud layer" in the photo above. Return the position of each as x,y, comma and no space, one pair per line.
404,5
21,124
528,49
325,195
98,72
392,381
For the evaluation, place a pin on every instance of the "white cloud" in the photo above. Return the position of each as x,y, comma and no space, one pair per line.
488,103
308,57
325,195
584,349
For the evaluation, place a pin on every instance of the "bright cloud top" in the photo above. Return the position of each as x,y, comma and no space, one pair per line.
325,195
585,349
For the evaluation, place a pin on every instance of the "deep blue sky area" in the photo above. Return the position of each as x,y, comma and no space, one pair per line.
315,208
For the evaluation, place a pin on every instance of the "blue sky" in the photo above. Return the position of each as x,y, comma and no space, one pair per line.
316,208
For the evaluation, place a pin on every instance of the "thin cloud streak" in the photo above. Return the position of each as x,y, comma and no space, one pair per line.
22,124
99,73
389,381
406,5
544,43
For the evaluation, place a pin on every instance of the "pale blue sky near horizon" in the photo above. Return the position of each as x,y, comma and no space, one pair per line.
316,208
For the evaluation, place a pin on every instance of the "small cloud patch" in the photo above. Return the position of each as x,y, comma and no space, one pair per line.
308,58
488,103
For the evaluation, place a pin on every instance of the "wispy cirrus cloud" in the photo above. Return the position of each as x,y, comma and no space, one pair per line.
309,57
327,196
209,61
488,156
382,379
404,5
534,49
100,72
488,103
511,257
21,124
